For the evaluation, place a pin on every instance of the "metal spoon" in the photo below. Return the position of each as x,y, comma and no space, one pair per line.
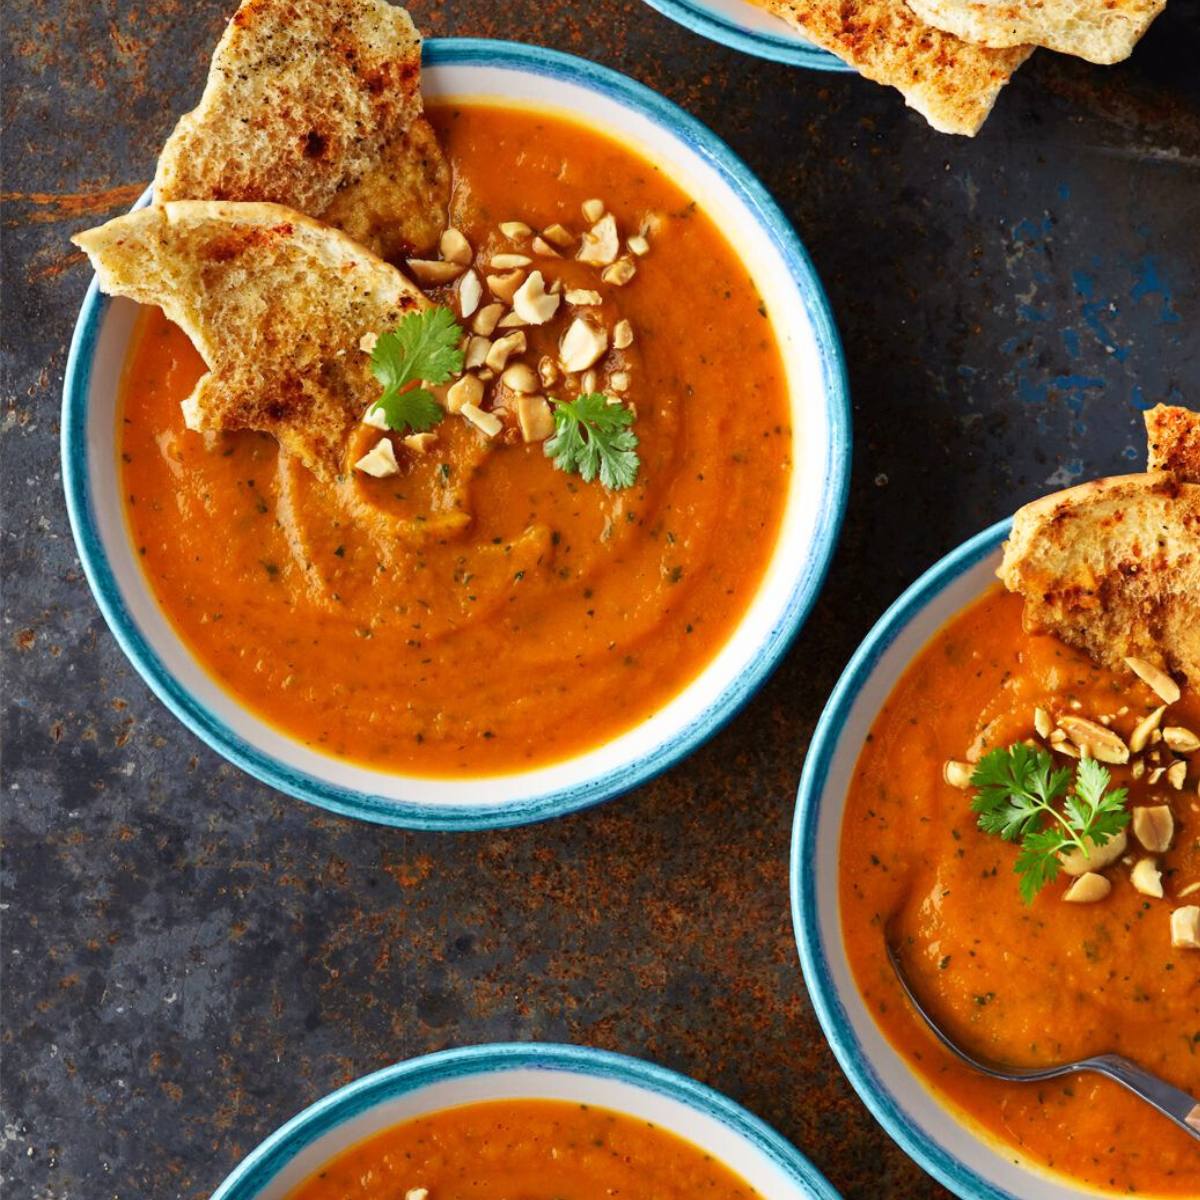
1183,1109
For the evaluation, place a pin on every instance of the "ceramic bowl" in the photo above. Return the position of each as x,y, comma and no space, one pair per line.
947,1145
743,25
411,1089
706,168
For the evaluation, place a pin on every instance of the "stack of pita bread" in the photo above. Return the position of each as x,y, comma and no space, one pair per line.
950,58
306,164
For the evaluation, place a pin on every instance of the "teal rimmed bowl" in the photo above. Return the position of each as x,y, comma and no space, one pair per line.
949,1146
704,166
744,26
525,1071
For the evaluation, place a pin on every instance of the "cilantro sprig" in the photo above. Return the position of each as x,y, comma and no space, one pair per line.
1019,791
424,347
593,437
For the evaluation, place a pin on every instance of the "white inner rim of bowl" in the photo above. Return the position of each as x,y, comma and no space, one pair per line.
701,1129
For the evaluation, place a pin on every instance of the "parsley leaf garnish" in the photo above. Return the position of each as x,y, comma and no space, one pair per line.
423,347
1018,792
593,438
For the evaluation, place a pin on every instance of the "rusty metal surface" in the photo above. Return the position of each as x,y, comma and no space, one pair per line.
189,958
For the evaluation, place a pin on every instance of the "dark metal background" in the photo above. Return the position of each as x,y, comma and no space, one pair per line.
189,958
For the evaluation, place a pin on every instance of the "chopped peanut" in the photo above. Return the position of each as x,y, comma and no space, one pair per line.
535,418
1087,889
380,460
455,248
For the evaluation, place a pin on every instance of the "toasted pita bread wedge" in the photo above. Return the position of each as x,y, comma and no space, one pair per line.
1173,435
398,208
952,84
1113,568
316,104
275,303
1102,31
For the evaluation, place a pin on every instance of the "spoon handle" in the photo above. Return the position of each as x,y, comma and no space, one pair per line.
1183,1109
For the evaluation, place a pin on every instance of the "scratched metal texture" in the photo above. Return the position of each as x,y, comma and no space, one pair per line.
189,958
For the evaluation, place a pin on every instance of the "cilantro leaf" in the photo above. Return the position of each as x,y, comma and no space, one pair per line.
1014,786
592,437
1018,791
415,409
1037,864
423,347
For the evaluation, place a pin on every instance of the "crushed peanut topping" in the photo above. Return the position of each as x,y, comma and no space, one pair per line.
559,235
467,390
486,422
421,443
584,297
1146,878
498,296
582,344
1155,678
1087,889
532,302
486,319
470,292
503,287
535,418
520,378
600,244
380,460
432,271
1182,741
506,262
1154,827
620,273
477,351
455,248
1185,928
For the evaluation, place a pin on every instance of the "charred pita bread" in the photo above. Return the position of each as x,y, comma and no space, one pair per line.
1102,31
951,83
316,104
1173,434
1113,568
277,305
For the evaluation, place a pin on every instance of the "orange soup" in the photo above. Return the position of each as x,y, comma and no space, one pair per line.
1037,984
524,615
526,1149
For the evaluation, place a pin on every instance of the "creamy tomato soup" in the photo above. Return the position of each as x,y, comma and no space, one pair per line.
483,611
1027,985
532,1149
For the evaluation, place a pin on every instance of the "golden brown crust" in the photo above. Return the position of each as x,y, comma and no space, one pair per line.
306,101
1173,435
952,84
1102,31
398,208
275,302
1113,568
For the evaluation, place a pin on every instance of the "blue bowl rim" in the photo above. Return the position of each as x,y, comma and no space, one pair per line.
789,48
883,1104
409,814
263,1163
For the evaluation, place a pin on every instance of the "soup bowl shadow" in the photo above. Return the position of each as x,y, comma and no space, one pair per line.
529,1071
948,1145
748,27
506,73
